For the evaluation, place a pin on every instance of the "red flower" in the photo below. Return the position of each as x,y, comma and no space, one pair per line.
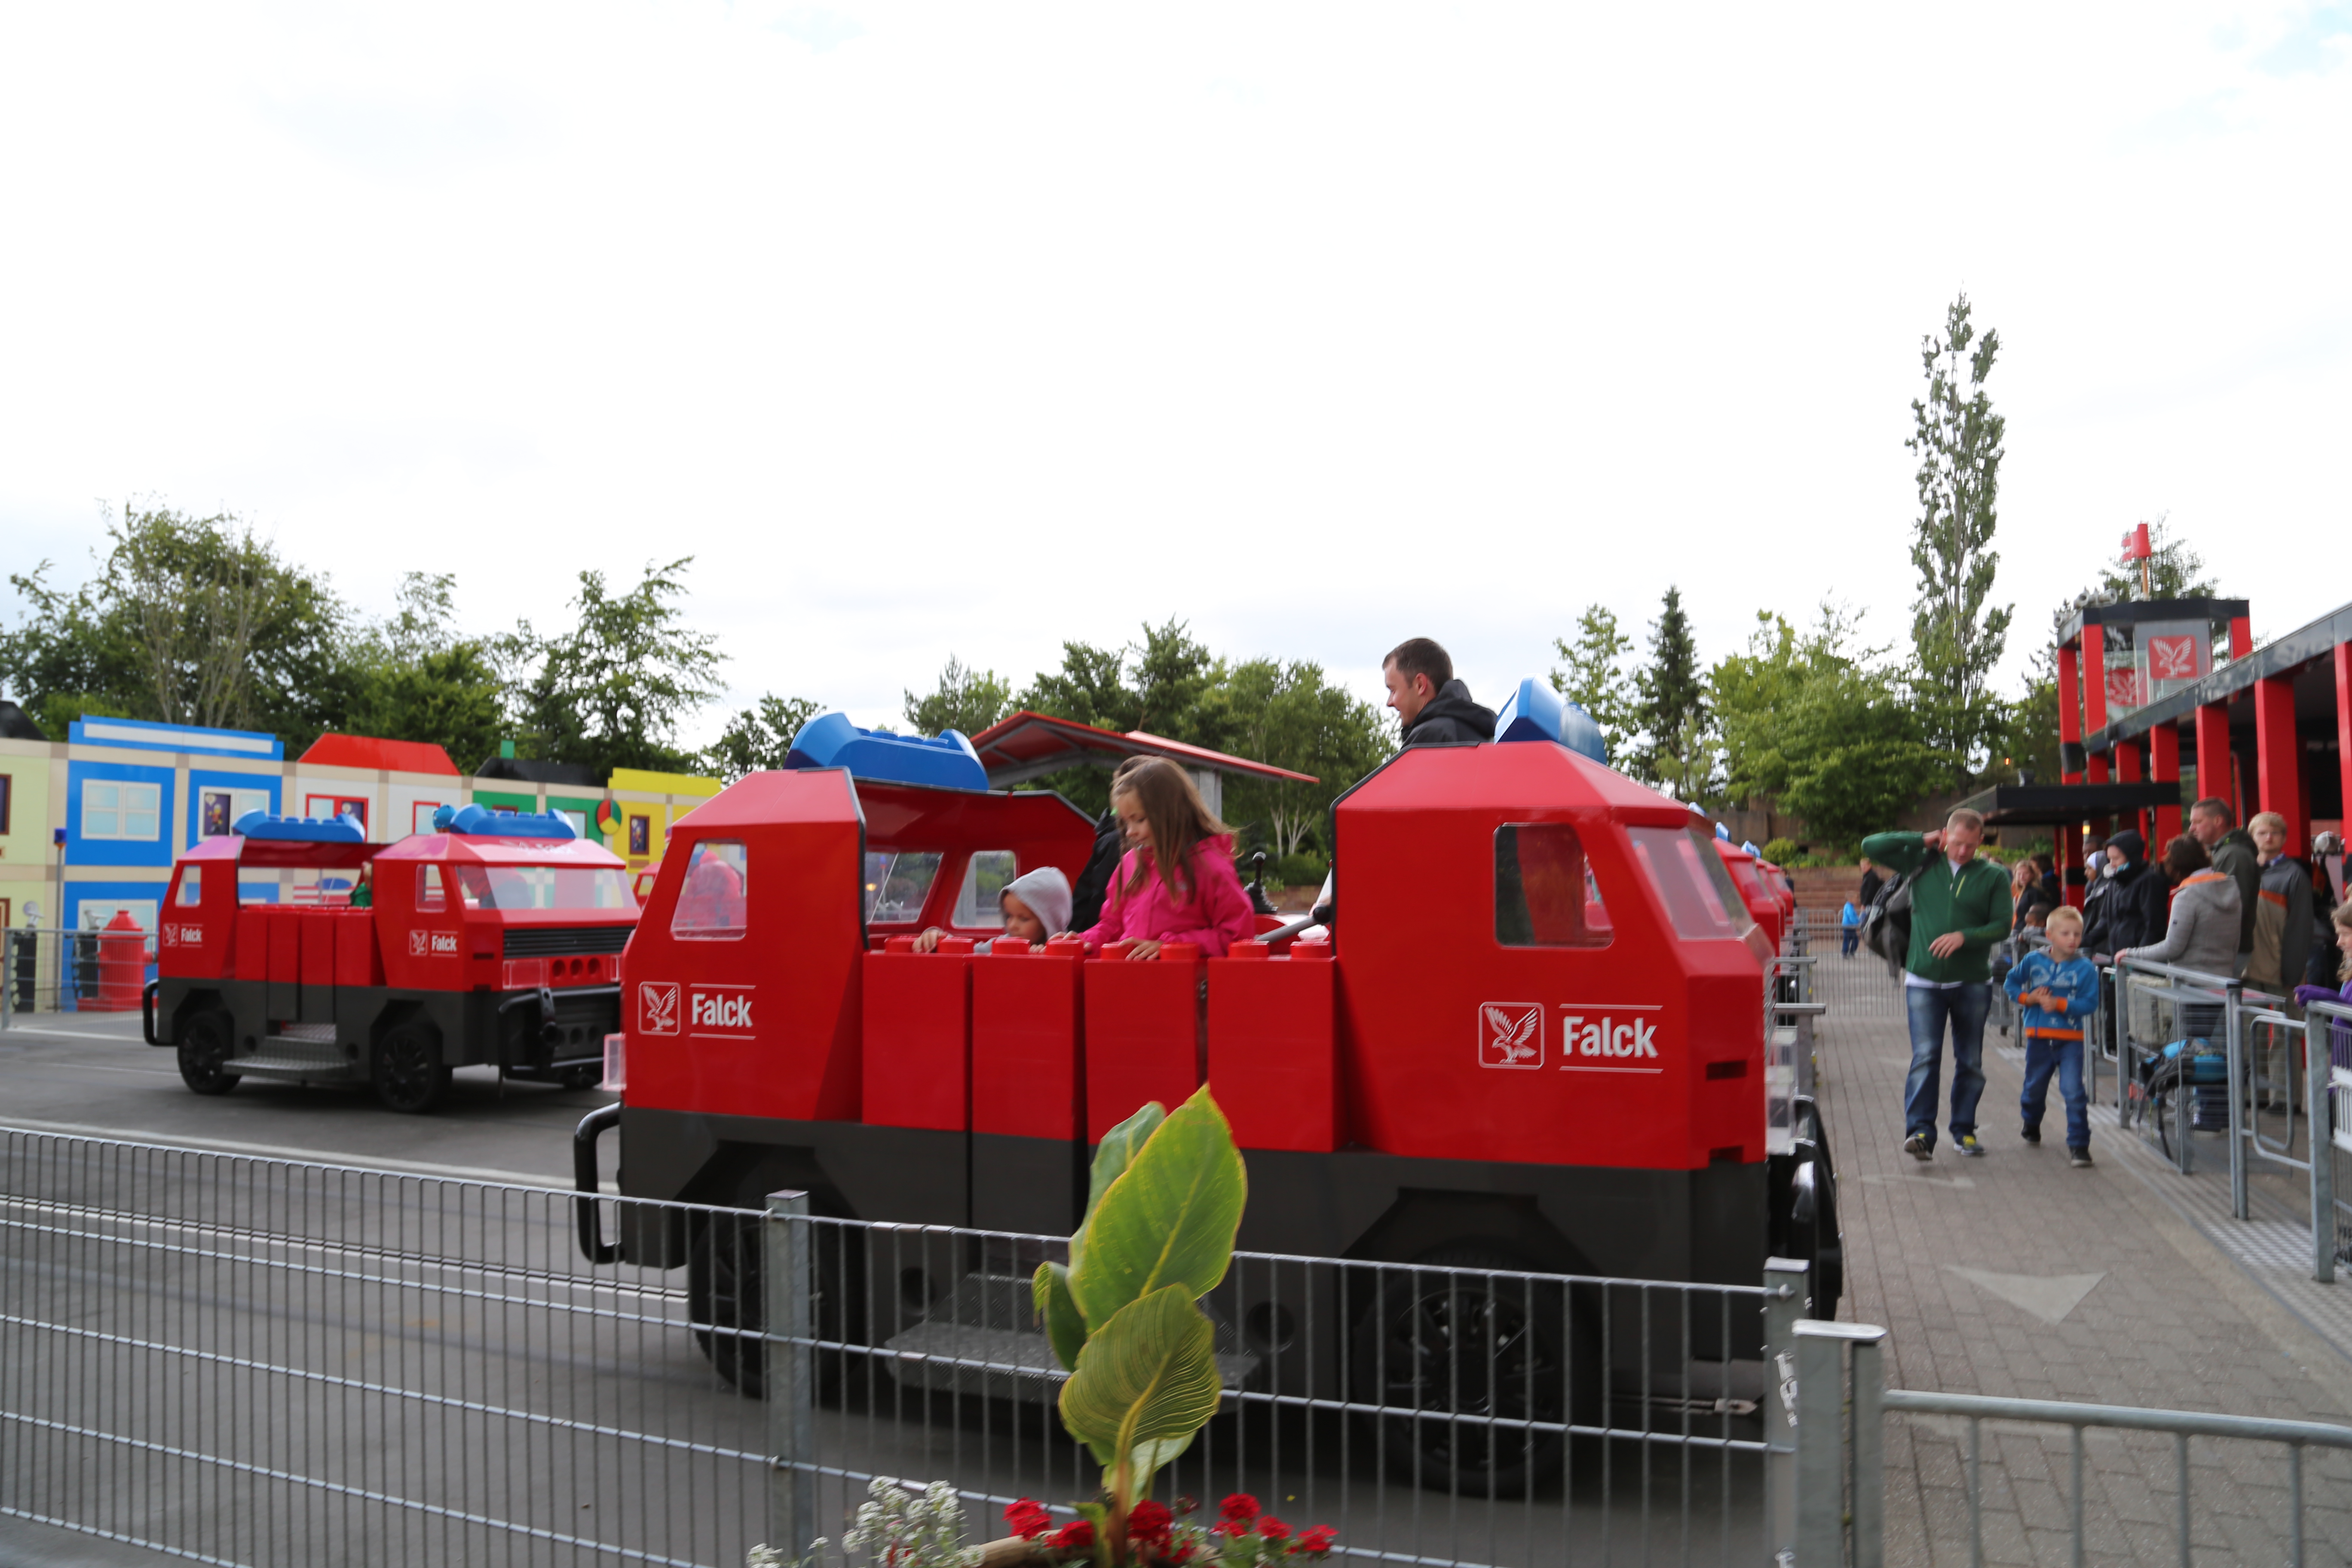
1181,1554
1314,1542
1150,1522
1273,1528
1027,1518
1078,1535
1236,1527
1187,1504
1240,1505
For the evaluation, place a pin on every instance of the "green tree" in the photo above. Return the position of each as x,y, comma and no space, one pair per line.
1289,715
612,690
1672,708
1593,676
968,700
188,621
1823,726
413,677
1957,636
1170,686
758,738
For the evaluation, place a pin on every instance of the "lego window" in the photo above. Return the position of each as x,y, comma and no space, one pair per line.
1692,879
712,904
114,809
218,809
897,885
984,877
192,885
352,806
429,895
7,791
1544,895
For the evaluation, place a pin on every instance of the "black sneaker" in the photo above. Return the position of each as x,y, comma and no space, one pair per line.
2079,1158
2030,1132
1967,1145
1918,1147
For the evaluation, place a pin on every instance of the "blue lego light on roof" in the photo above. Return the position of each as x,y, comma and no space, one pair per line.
1536,712
343,829
479,821
830,740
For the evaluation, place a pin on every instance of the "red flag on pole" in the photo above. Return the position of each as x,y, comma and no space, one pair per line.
2136,545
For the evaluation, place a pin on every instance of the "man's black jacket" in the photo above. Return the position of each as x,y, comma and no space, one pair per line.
1451,716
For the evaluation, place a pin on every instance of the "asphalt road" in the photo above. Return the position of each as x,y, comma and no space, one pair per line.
91,1074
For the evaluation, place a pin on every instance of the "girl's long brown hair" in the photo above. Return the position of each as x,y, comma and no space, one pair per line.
1180,821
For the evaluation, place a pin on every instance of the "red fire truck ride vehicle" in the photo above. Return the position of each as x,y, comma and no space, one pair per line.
1536,1039
494,940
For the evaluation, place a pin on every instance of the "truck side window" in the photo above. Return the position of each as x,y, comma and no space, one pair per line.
1690,876
1543,895
712,905
984,877
192,887
429,895
897,883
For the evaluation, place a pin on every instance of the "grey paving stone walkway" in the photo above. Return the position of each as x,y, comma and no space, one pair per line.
2016,1274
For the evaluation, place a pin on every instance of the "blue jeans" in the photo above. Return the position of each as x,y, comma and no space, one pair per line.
2064,1057
1965,1006
1848,938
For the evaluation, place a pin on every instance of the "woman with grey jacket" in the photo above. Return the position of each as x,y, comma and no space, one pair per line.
2203,932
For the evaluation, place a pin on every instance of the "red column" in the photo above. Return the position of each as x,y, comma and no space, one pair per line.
2242,643
2127,761
2343,738
2278,753
2094,693
2163,767
2070,716
2215,777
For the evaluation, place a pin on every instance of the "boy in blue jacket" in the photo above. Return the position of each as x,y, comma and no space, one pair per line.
2057,989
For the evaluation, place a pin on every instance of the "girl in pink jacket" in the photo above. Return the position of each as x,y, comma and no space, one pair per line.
1170,827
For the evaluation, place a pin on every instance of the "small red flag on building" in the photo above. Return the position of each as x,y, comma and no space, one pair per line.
2135,546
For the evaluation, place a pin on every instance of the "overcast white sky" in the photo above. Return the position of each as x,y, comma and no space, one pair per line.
971,327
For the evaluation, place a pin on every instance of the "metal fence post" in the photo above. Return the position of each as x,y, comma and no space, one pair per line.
1784,1305
1820,1448
2319,1125
2242,1078
1869,1453
788,1327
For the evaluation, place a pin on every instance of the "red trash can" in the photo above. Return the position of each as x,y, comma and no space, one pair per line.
121,966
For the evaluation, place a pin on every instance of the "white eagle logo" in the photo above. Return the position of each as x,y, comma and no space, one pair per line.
1510,1035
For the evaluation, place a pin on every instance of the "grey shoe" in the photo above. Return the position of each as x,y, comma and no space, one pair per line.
1919,1147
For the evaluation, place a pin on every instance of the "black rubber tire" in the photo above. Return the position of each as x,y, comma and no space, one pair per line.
407,1072
206,1040
723,1287
1445,1340
581,1077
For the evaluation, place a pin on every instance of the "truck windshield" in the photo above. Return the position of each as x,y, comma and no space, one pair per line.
544,887
1699,894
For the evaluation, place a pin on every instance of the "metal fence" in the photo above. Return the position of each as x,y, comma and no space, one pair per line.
247,1360
50,969
2198,1057
1841,1480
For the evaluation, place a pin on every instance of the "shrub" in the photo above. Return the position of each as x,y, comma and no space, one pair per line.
1302,869
1783,851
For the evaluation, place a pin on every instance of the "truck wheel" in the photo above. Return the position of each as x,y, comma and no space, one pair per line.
1444,1339
408,1074
204,1041
581,1077
725,1289
723,1265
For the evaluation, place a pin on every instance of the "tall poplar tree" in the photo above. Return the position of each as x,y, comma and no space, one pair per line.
1955,635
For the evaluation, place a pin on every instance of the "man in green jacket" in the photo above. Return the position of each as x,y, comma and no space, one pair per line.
1960,908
